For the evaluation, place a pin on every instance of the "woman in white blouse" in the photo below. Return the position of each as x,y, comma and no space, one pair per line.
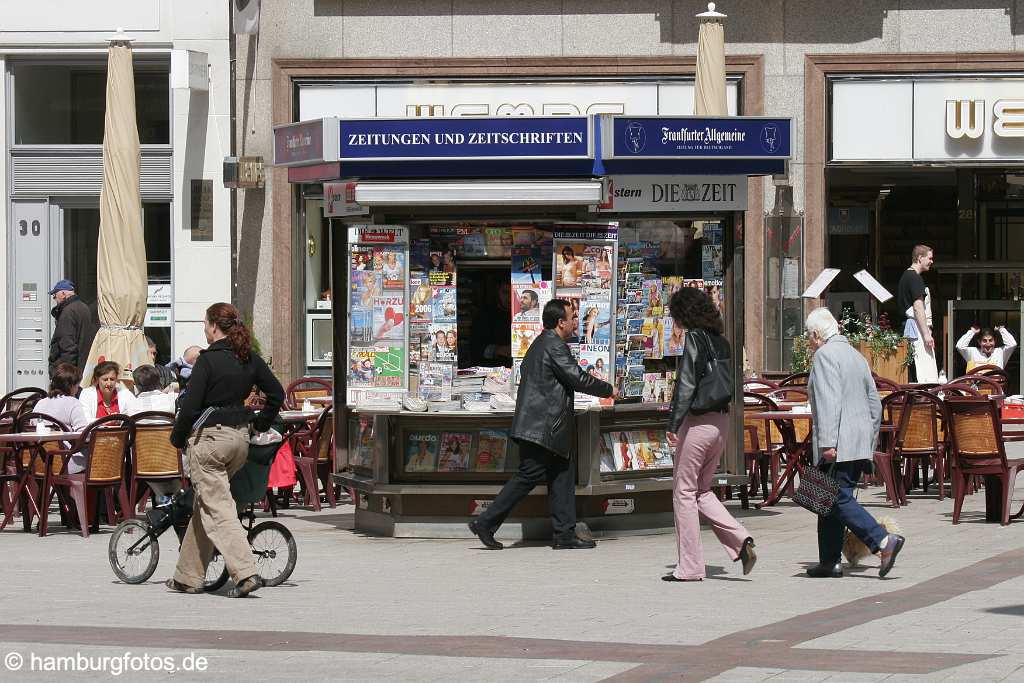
986,353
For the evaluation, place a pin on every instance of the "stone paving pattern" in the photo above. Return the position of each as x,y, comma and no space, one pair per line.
364,608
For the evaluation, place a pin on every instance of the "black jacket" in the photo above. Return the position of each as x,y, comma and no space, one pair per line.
544,405
688,370
219,379
73,333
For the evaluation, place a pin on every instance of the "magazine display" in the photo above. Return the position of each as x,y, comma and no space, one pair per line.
491,450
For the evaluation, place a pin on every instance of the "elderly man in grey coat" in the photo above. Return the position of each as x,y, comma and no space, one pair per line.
846,414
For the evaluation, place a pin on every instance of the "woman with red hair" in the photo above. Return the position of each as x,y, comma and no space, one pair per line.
213,426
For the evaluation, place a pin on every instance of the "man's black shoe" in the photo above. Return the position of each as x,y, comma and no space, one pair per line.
573,543
893,546
824,571
486,536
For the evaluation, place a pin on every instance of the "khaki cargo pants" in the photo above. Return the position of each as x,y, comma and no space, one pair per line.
213,457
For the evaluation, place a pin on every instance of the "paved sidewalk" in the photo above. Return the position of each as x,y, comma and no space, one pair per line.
364,608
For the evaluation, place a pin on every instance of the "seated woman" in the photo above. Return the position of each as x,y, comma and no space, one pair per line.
106,395
60,404
986,353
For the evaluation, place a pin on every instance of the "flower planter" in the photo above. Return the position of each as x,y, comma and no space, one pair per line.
891,368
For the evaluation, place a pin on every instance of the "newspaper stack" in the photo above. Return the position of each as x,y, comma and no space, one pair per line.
476,401
444,406
469,380
498,381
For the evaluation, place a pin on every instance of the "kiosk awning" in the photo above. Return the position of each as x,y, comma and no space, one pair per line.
479,193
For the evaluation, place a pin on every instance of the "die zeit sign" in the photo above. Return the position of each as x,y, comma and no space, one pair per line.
653,193
966,119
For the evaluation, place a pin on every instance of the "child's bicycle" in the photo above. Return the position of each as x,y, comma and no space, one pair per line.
134,548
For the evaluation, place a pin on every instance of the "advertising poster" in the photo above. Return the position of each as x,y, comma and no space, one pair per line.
523,335
456,452
388,318
491,449
443,304
443,345
391,266
421,452
528,301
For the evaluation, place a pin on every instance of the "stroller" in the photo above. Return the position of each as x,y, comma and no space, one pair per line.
134,548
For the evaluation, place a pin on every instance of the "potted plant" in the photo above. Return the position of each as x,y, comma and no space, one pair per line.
885,349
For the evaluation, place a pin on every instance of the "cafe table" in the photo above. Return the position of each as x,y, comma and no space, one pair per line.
30,439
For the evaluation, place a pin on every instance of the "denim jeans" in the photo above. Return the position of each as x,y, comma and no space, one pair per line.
846,513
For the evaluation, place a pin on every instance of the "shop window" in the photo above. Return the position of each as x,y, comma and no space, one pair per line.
64,104
81,239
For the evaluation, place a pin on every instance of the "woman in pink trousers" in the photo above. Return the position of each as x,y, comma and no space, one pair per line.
701,433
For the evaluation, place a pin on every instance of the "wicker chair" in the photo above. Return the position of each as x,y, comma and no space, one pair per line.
104,443
918,437
304,388
983,384
314,460
32,463
9,466
21,401
153,456
993,372
760,452
756,385
884,386
883,457
977,449
797,379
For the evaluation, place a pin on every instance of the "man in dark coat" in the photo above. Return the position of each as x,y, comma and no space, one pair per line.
543,429
74,329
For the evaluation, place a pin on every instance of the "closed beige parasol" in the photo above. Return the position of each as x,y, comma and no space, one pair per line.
121,252
709,98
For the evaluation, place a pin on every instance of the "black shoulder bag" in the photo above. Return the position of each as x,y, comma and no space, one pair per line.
714,386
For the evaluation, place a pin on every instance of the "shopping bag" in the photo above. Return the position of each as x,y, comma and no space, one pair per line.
818,490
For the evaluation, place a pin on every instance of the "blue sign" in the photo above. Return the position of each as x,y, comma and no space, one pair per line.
696,138
466,138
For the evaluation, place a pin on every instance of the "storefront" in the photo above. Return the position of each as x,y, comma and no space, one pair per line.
53,104
447,237
935,159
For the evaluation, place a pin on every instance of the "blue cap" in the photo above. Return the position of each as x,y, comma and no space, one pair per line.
63,286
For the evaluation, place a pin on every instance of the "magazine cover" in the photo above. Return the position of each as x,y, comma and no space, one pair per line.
598,260
661,390
436,381
634,387
420,293
570,266
361,446
635,342
473,244
419,334
526,268
388,366
573,297
634,280
634,296
607,459
713,233
647,330
594,360
644,455
443,302
658,442
498,242
523,335
361,259
674,337
491,448
650,390
365,284
419,255
388,318
711,264
623,451
658,338
421,452
635,357
392,267
696,283
528,301
669,286
361,326
595,322
456,452
653,294
443,345
360,366
439,278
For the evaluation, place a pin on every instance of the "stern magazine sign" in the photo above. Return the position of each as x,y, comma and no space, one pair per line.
653,193
340,200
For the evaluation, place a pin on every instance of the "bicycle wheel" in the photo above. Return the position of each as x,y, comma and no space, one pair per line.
216,572
133,552
275,553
